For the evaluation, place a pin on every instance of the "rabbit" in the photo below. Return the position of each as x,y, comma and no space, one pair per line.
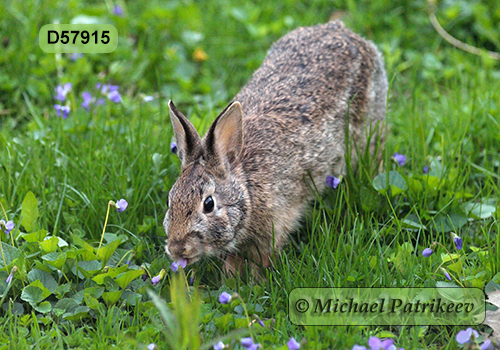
243,186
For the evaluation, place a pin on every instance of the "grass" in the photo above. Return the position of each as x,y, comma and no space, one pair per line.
443,112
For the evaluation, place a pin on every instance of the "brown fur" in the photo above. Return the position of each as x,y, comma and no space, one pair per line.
289,123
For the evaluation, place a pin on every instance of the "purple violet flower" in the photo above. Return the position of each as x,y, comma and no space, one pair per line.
377,344
62,91
117,10
427,252
359,347
7,226
12,272
182,262
121,205
487,345
292,344
144,276
175,265
219,346
465,335
225,298
106,88
155,280
246,342
64,109
446,274
173,148
458,242
87,100
115,96
425,169
332,181
253,347
262,323
76,56
399,158
103,88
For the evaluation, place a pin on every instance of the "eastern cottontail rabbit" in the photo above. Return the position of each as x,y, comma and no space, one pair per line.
243,186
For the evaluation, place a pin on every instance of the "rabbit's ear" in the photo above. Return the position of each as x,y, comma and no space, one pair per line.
224,139
187,138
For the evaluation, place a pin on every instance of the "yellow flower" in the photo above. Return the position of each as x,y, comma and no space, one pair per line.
199,55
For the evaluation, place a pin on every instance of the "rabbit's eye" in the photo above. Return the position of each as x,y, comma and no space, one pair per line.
208,204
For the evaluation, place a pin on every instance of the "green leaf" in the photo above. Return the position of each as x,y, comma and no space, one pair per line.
432,183
29,211
411,223
62,290
448,222
43,307
370,200
449,257
35,292
386,334
39,284
32,294
66,305
49,244
86,252
105,252
18,309
47,280
111,297
444,285
94,292
479,210
56,259
127,277
224,322
132,298
396,182
91,302
79,313
35,237
240,322
10,253
89,268
112,273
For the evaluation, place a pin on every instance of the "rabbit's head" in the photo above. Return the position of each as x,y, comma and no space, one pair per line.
208,202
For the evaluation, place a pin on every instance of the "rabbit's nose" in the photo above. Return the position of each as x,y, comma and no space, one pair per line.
180,250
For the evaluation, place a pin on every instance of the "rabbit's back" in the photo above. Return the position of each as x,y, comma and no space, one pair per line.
310,71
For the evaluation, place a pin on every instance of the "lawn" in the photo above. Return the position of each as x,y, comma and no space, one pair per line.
76,270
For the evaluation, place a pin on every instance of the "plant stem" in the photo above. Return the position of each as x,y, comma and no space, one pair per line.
104,228
3,256
4,212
